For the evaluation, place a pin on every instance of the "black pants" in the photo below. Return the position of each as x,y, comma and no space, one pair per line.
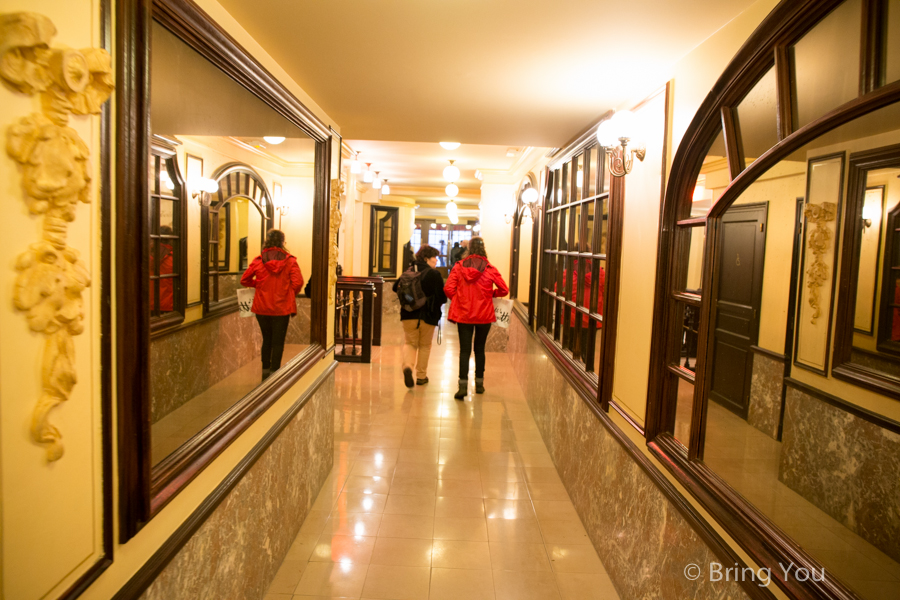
466,331
274,330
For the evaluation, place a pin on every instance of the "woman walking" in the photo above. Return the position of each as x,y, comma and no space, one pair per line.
471,289
277,279
419,323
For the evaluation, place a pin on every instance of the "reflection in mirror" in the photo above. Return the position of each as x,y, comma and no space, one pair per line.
892,47
713,174
826,75
869,258
233,149
804,458
756,118
525,230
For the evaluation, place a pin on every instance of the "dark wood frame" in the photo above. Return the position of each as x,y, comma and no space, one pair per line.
165,149
844,368
142,492
871,331
395,224
764,542
214,306
798,287
515,241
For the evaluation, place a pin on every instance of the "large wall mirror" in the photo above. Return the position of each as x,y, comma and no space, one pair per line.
235,311
780,277
527,211
868,337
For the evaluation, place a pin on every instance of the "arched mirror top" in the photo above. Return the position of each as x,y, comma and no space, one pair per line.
239,179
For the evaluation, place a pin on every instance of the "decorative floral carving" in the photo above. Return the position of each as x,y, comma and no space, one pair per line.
337,190
818,240
55,164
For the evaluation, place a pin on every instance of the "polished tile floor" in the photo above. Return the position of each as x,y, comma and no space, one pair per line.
434,498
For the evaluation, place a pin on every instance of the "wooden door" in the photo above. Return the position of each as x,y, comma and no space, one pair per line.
741,255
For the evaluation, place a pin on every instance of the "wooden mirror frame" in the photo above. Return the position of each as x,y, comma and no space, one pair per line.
843,367
144,491
526,310
763,541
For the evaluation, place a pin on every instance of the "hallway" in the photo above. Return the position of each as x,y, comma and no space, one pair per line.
434,498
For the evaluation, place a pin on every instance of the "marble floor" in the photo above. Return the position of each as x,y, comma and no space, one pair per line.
186,421
432,498
748,460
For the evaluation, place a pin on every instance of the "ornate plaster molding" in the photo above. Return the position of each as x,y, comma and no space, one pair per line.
337,190
55,167
818,240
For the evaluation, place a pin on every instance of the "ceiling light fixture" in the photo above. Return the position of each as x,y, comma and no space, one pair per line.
530,196
433,226
355,165
274,139
377,183
368,176
468,227
385,189
476,227
452,190
451,173
449,145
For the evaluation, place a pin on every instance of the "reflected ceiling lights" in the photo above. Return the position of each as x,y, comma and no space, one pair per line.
452,190
451,173
274,139
449,145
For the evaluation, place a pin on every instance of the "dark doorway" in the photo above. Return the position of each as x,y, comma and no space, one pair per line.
740,256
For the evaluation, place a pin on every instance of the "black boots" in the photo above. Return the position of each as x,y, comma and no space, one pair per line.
463,389
479,385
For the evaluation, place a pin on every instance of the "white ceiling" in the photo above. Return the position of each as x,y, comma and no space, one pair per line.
494,72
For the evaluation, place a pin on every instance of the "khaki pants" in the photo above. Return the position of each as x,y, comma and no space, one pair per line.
417,348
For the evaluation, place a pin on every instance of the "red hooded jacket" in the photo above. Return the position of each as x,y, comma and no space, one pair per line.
470,288
166,284
586,295
277,279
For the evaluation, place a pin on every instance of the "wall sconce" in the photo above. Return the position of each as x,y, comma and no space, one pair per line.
621,128
277,199
201,188
869,214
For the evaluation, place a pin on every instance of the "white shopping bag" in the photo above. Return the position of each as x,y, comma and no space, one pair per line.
245,300
502,311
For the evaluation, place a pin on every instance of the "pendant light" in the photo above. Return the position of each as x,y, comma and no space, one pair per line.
368,176
451,173
452,190
377,183
385,189
355,165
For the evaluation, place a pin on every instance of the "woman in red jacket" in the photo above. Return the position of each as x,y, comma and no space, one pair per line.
277,280
471,289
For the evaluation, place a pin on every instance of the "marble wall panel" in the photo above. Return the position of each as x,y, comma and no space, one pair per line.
300,325
229,284
644,544
390,304
497,340
847,466
191,360
765,394
237,551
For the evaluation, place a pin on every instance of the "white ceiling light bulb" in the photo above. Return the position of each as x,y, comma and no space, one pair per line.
274,139
377,183
355,165
452,190
451,206
530,196
385,189
434,226
476,227
468,227
368,176
454,218
449,145
451,173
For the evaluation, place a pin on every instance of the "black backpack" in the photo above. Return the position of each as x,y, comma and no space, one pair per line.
409,289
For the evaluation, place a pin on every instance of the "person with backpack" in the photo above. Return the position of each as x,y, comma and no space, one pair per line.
472,286
277,279
421,293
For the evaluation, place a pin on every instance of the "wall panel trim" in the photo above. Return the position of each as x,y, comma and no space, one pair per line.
855,410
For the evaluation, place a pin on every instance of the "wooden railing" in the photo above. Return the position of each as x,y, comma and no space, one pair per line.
353,320
377,307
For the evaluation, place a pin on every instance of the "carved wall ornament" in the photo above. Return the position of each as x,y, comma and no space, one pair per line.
818,240
337,190
55,167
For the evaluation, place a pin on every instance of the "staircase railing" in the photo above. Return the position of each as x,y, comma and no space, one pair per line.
378,303
353,320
